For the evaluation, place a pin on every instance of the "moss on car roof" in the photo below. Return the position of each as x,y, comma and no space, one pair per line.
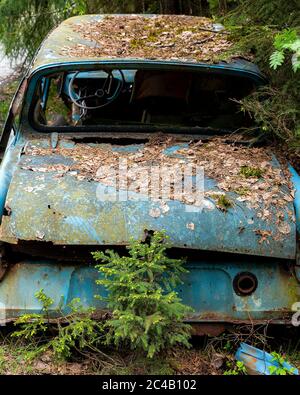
154,37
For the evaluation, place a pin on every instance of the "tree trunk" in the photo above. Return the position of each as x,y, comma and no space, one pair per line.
139,6
169,7
222,6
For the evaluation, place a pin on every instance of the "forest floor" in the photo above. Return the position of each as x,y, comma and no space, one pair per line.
207,356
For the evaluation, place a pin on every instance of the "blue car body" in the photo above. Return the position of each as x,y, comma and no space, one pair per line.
48,215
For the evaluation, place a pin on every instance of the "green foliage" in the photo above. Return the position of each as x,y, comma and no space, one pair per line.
25,23
235,369
31,325
147,314
228,346
222,201
276,112
55,104
14,357
34,324
279,370
78,331
81,331
6,94
276,59
269,13
248,172
44,299
257,27
287,40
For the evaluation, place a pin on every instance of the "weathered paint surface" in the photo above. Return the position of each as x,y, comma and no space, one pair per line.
49,206
207,288
260,362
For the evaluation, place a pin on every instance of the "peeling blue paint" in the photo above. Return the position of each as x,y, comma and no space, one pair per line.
207,288
77,216
84,226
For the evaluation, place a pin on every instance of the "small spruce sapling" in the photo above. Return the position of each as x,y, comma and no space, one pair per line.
147,312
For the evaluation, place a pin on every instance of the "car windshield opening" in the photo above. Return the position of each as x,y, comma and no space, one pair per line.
141,97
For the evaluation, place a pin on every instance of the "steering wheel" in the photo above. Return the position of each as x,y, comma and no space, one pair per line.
106,93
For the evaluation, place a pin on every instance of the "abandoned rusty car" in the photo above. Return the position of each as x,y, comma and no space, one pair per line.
156,92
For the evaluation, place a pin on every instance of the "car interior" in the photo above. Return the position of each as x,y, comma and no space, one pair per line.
141,97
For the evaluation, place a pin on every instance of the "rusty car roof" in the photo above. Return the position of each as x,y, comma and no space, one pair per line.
148,38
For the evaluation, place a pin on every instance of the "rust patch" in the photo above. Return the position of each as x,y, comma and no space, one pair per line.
209,329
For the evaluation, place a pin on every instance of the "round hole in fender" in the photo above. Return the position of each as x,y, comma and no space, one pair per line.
245,283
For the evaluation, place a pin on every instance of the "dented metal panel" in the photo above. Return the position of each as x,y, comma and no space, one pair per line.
49,205
207,288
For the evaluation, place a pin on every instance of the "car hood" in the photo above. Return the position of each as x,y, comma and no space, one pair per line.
52,199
